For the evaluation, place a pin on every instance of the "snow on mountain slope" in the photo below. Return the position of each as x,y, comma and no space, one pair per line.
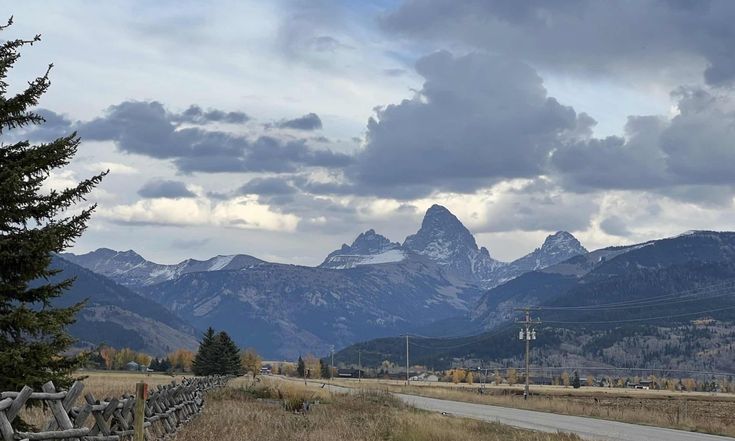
369,248
130,269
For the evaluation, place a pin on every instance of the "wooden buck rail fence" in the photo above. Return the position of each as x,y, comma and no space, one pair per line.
113,419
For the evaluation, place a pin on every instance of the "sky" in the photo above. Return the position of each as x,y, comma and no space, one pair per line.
283,129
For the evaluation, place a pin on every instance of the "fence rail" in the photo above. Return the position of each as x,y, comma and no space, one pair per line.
113,419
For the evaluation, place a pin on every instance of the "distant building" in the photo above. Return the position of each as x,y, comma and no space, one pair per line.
132,366
425,377
350,373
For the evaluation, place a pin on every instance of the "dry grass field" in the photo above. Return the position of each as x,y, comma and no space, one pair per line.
696,411
265,412
102,384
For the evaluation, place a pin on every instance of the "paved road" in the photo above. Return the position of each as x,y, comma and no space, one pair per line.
587,428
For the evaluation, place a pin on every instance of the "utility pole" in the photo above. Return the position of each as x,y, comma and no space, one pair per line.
331,372
359,365
407,380
527,333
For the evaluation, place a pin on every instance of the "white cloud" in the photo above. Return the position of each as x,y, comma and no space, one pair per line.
115,168
240,212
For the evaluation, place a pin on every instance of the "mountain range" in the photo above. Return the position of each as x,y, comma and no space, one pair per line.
117,316
371,288
664,304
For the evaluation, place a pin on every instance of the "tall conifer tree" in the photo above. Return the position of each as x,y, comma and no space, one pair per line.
230,355
205,360
34,225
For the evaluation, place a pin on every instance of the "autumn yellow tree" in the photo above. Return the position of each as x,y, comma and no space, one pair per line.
469,378
498,378
512,376
142,358
251,361
457,375
108,355
181,360
311,363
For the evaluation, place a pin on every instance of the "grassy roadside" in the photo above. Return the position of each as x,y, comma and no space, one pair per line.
701,413
264,412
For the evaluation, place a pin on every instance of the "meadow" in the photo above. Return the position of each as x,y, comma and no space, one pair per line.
267,411
692,411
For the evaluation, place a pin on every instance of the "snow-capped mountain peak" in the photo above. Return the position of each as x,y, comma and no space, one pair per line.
446,241
367,249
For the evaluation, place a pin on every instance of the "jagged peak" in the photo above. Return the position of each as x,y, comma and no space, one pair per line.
370,241
438,220
439,214
562,238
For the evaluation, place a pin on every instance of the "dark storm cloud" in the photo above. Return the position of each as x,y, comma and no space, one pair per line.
614,226
54,126
195,115
160,188
310,121
646,35
147,128
478,119
696,148
267,187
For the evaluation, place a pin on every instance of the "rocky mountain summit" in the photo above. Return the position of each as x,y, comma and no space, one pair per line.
445,241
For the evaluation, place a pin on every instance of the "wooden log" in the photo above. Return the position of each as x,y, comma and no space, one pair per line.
141,394
71,397
102,438
57,409
18,402
6,430
100,423
37,395
54,434
82,416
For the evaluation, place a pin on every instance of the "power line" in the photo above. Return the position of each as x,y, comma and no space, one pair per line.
602,368
638,319
655,299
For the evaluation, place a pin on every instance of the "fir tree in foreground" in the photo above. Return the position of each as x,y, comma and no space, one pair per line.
34,225
217,355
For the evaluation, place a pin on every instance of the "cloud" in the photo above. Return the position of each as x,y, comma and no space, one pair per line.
310,121
240,212
478,119
195,115
115,168
146,128
648,36
161,188
55,125
615,226
674,156
267,187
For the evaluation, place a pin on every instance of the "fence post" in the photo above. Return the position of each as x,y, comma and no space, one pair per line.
141,394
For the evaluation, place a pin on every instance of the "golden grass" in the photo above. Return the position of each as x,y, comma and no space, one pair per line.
103,385
234,413
701,413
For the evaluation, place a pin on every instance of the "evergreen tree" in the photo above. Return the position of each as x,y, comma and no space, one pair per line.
205,361
228,362
300,367
576,383
217,355
324,368
154,366
165,365
34,226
